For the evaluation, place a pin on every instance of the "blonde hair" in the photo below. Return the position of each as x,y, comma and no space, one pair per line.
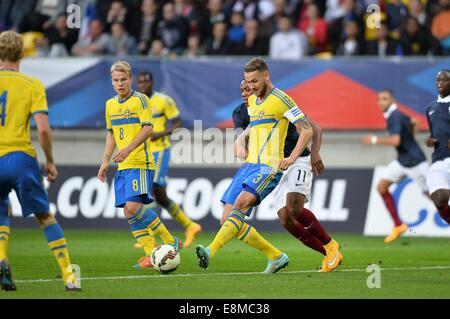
256,64
121,66
11,46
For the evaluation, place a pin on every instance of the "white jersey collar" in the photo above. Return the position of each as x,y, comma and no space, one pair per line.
389,110
443,100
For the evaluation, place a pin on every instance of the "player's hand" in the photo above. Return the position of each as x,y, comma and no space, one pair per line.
102,171
431,141
317,164
121,155
285,163
367,139
51,171
241,152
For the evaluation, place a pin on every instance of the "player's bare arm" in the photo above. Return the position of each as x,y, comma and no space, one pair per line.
240,145
110,146
305,130
316,160
45,140
176,123
392,140
144,134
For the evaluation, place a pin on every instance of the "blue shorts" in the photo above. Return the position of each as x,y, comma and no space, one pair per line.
20,172
258,179
162,159
133,185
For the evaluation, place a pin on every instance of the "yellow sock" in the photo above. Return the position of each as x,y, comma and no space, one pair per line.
4,239
61,253
178,215
158,228
250,236
144,239
229,229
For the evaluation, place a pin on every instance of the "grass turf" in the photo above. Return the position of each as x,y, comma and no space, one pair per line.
411,268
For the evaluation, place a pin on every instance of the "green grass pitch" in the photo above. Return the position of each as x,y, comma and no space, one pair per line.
411,268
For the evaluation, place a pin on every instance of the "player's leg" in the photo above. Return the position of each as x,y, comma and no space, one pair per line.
438,183
58,245
137,185
393,173
6,279
162,160
33,200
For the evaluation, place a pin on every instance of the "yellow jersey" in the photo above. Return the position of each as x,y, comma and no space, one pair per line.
125,119
164,110
20,97
269,121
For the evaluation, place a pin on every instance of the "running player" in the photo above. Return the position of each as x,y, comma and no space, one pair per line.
22,96
410,162
128,122
438,116
270,112
294,189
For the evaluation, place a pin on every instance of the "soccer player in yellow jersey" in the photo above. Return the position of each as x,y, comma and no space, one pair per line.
166,118
129,125
21,97
270,111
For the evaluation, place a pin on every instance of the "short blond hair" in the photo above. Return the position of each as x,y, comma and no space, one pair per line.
121,66
256,64
11,46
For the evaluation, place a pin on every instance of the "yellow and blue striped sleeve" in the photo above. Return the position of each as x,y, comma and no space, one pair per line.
291,111
108,120
145,111
170,110
39,103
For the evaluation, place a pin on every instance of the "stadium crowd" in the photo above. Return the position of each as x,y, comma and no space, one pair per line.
281,29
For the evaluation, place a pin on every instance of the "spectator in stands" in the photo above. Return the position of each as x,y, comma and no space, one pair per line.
396,13
417,40
282,8
218,44
384,44
147,25
288,43
440,26
315,29
120,42
193,50
335,10
117,13
337,26
417,9
236,33
214,13
157,49
172,30
94,43
14,14
351,43
60,37
254,43
45,14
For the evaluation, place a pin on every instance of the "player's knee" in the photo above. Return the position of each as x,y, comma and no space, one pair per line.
45,219
382,187
440,198
284,217
131,209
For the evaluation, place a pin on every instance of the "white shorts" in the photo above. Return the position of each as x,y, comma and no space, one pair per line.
395,172
296,179
438,176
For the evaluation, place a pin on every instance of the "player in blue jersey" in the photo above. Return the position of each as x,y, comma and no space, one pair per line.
270,111
438,116
410,161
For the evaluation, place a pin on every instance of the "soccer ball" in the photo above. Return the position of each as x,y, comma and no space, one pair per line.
165,259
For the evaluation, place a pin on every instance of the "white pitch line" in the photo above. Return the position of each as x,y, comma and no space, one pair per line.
231,274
